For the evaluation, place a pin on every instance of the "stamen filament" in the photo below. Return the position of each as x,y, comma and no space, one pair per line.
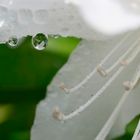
123,56
108,125
90,75
100,69
90,101
100,92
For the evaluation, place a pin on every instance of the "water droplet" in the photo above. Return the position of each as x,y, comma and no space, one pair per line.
12,42
55,36
40,41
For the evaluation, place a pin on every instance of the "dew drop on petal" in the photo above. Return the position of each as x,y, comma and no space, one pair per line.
40,41
55,36
12,42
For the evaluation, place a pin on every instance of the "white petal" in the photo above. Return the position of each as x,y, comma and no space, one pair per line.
87,124
47,16
90,19
109,16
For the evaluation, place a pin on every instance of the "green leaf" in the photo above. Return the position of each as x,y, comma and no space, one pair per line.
24,74
130,129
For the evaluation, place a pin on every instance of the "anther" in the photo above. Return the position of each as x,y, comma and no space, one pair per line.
128,85
124,62
101,71
63,87
57,114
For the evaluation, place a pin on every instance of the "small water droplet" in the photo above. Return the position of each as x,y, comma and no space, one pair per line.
12,42
54,36
40,41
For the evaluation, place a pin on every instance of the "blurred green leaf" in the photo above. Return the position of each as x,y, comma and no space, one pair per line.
130,129
24,74
25,71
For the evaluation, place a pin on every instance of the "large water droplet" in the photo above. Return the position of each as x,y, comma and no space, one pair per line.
12,42
40,41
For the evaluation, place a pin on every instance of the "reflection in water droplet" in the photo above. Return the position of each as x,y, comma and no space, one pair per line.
40,41
12,42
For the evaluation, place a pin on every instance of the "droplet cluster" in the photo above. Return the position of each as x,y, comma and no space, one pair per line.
39,42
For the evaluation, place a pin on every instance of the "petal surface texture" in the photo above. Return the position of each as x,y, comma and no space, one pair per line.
88,19
78,87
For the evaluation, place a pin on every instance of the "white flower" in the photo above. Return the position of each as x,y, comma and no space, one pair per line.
89,19
87,95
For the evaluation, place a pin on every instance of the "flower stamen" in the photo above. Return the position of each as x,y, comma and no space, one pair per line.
57,114
102,71
129,85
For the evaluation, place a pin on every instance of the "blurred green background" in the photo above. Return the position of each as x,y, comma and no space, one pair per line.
24,75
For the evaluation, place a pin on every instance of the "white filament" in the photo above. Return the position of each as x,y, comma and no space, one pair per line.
100,92
134,54
122,57
90,101
90,75
108,125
